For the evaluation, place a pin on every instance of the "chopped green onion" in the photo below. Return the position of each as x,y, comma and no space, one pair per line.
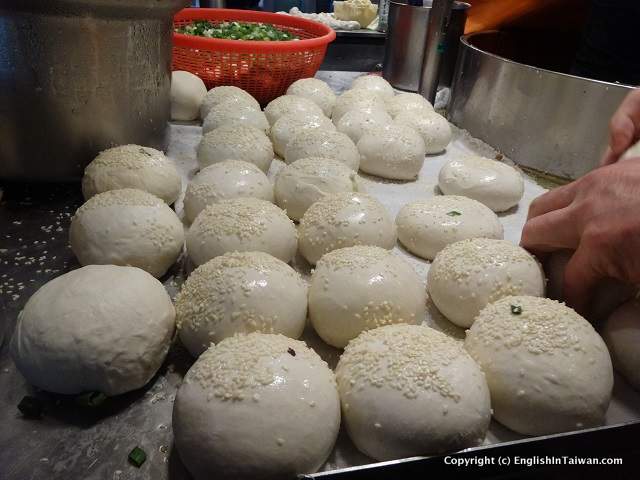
91,399
516,309
137,457
236,31
454,213
31,407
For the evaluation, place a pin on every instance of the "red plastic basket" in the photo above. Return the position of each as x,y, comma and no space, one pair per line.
264,69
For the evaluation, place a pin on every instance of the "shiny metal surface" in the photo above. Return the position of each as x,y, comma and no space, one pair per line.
549,121
78,76
439,18
405,47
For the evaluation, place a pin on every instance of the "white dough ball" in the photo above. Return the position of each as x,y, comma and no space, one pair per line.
433,128
344,220
218,95
359,288
187,92
243,225
356,100
548,370
100,328
409,390
222,181
395,151
132,166
355,123
373,83
240,292
427,226
236,142
305,181
498,185
127,227
291,105
467,275
256,407
621,333
317,91
324,144
406,102
288,126
230,113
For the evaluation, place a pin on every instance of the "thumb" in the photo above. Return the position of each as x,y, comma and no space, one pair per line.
580,279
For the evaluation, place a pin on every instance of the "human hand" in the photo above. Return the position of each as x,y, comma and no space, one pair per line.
598,217
624,128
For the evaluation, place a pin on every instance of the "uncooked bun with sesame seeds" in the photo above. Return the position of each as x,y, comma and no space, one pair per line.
373,83
240,292
406,102
225,93
127,227
308,180
288,126
236,142
230,113
290,105
548,370
222,181
243,225
316,90
359,288
187,92
256,407
427,226
325,144
395,152
467,275
344,220
433,128
621,332
132,166
355,123
498,185
99,328
356,100
409,390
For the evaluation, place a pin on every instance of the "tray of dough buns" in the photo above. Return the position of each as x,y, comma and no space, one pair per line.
333,292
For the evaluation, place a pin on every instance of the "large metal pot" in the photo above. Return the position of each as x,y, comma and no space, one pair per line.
78,76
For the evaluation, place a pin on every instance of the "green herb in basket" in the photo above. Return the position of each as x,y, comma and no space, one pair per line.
237,31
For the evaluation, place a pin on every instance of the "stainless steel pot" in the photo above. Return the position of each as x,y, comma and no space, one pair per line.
78,76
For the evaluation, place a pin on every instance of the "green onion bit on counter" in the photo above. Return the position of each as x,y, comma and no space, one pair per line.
137,457
237,31
91,399
31,407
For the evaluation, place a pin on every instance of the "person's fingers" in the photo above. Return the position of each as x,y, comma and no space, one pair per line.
624,127
549,232
555,199
580,279
609,157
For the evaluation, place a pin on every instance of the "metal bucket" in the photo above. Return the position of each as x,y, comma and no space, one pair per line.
550,121
405,45
79,76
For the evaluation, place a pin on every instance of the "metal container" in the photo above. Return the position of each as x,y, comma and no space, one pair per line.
406,41
552,122
79,76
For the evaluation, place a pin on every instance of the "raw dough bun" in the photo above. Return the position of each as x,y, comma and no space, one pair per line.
467,275
548,370
498,185
236,142
217,95
222,181
240,292
100,328
290,104
395,152
433,128
427,226
621,333
359,288
132,166
242,225
288,126
406,102
373,83
344,220
256,407
325,144
308,180
359,99
317,91
187,93
127,227
409,390
230,113
355,123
